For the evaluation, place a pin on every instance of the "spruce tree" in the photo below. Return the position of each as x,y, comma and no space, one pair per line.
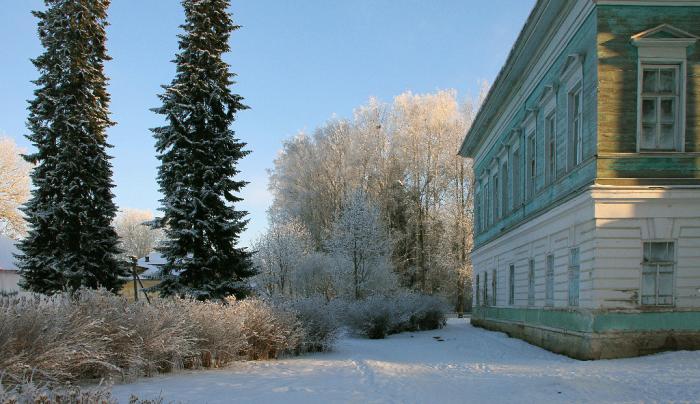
71,242
198,153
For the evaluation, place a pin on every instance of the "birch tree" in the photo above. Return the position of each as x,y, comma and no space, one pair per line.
136,236
361,249
14,188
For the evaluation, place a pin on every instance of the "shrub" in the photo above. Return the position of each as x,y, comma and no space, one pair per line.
318,321
378,316
269,331
95,334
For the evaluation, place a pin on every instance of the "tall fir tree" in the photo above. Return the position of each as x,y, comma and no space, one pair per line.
199,153
71,242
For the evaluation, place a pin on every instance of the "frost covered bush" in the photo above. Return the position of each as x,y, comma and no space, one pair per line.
95,334
30,393
378,316
269,331
318,321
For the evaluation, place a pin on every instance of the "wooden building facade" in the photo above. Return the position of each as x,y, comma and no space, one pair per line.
587,159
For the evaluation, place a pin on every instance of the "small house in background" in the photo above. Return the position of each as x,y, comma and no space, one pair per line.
150,266
9,273
587,164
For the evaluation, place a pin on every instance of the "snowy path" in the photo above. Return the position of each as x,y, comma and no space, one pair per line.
471,365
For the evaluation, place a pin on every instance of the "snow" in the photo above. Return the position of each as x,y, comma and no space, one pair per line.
470,365
7,250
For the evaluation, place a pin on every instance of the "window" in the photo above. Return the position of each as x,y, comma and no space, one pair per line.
574,276
531,283
511,284
487,206
549,281
478,291
494,287
659,98
657,273
504,187
477,208
575,127
486,289
516,179
531,165
495,190
550,126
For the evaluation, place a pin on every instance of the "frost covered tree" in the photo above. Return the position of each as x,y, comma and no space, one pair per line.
14,188
278,255
198,155
403,156
361,249
71,242
136,236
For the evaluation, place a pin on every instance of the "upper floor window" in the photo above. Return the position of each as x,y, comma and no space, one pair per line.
531,164
516,182
495,190
661,87
572,79
660,97
504,187
576,126
550,134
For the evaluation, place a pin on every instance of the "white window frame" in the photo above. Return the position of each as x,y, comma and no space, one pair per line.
680,64
549,280
504,183
572,80
511,284
674,270
516,187
574,274
530,132
494,287
548,105
531,275
679,98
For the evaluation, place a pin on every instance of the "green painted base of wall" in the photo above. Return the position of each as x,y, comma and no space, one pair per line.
595,334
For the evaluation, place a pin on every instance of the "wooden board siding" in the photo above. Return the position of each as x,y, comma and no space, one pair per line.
568,183
617,95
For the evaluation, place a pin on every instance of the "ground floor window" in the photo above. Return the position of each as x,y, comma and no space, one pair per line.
549,281
494,287
478,291
657,273
511,284
486,289
574,276
531,283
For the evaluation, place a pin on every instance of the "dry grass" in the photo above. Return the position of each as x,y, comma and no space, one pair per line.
94,335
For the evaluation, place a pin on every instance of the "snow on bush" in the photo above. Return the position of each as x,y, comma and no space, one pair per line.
47,394
269,331
319,322
379,315
94,334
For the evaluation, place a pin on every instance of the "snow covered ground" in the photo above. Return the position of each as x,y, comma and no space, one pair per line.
469,365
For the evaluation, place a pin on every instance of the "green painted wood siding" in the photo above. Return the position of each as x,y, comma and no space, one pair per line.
569,181
618,162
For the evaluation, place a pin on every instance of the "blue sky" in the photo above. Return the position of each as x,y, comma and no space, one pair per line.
298,63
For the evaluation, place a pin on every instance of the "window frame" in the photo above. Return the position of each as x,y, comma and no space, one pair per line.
511,284
494,287
531,296
575,120
574,270
516,199
679,131
673,264
572,79
549,280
